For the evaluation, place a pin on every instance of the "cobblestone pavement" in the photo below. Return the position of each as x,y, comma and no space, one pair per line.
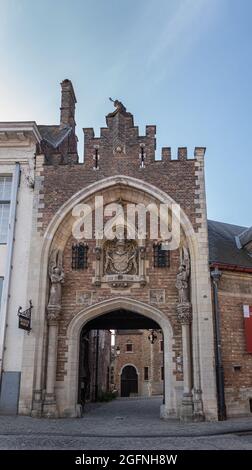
123,424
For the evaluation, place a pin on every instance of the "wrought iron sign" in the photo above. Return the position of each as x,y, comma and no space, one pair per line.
24,318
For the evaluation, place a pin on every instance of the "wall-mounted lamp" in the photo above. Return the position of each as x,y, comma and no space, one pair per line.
152,336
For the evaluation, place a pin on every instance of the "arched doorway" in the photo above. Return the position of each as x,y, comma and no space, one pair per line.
129,381
97,354
103,316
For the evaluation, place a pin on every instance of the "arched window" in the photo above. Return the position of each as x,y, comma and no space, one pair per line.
79,256
161,257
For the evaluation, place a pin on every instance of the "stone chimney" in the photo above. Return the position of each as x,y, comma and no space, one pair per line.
68,100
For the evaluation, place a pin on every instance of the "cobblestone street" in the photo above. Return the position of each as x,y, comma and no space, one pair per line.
131,424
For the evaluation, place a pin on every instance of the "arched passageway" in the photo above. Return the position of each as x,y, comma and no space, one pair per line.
130,373
111,312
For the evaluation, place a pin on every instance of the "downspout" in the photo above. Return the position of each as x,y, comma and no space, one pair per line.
216,275
8,265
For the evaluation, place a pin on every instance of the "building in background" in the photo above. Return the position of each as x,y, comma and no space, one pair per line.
230,263
95,365
139,363
17,160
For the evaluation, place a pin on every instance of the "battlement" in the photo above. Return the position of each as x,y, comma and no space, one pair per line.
104,132
120,143
143,147
118,146
182,154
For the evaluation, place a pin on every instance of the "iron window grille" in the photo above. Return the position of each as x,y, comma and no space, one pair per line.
79,256
161,257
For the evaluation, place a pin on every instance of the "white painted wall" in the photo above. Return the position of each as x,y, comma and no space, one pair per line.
3,252
18,284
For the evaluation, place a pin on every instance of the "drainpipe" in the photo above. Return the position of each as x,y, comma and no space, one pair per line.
8,265
216,275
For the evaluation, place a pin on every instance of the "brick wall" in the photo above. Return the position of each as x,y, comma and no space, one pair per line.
118,150
176,177
144,354
235,289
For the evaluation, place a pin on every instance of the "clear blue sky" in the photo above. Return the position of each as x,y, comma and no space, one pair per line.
184,65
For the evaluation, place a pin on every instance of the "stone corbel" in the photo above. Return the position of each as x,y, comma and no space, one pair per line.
53,314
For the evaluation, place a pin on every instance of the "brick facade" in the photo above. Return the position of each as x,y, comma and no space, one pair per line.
143,355
121,155
235,290
119,152
121,165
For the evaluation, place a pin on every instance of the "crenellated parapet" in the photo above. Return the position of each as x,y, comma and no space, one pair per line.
118,149
120,143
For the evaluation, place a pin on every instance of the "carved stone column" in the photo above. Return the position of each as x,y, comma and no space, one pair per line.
184,312
56,275
98,265
50,407
142,251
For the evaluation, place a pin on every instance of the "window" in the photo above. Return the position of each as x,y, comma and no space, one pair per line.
161,257
5,197
112,375
79,256
129,347
161,345
162,373
146,373
1,288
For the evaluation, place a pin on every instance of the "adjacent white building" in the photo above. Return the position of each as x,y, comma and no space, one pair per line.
17,149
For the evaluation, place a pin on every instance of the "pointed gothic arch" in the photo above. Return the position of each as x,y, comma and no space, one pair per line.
56,235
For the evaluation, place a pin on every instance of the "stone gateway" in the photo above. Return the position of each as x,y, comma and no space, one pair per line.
131,283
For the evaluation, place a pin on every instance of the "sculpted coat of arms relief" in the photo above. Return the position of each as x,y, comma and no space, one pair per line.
120,257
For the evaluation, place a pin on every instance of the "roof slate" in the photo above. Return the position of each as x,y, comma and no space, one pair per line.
223,247
54,135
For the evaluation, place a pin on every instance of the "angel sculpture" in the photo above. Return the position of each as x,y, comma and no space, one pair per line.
182,282
56,275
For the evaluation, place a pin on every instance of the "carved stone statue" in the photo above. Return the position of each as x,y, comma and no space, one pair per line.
118,105
182,282
56,275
